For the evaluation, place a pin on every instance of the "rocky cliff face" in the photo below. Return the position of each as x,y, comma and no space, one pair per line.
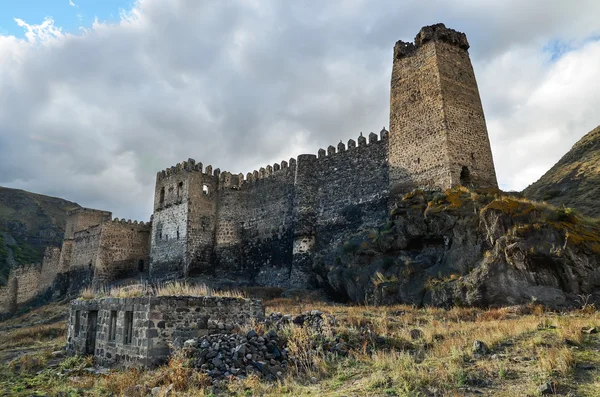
469,248
28,223
575,180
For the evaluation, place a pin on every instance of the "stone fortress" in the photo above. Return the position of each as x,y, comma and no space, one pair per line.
271,226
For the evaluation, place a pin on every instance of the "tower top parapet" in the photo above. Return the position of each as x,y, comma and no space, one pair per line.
437,32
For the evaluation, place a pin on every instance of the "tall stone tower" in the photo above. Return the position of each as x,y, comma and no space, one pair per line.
438,137
183,222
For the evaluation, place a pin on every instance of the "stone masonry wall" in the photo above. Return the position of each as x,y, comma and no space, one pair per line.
25,281
254,225
182,238
82,218
3,300
85,248
417,150
353,190
267,224
50,267
124,250
158,323
468,141
202,219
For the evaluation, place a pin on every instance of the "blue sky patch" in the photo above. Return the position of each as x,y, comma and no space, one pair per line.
68,15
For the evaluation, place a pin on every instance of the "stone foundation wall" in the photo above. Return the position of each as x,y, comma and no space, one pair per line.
158,323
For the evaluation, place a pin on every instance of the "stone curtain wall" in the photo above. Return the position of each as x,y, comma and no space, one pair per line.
253,236
50,268
85,249
123,244
436,118
263,229
353,191
158,322
3,300
23,284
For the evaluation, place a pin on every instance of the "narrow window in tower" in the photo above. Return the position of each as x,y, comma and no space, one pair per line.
179,189
205,190
177,233
418,160
141,265
162,196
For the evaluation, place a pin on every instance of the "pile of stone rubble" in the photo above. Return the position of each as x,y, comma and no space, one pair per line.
223,355
226,355
315,319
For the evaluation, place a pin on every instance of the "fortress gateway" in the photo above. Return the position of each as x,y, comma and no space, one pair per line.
271,226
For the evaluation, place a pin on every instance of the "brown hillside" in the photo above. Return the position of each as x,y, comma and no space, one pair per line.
28,223
575,180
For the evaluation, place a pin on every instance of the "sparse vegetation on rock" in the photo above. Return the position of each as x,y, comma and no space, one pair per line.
470,247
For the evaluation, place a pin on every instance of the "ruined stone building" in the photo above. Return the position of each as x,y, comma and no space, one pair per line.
140,331
96,250
270,227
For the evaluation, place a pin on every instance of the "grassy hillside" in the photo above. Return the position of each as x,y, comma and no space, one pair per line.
28,223
575,180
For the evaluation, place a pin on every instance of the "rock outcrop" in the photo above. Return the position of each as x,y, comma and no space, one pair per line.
466,247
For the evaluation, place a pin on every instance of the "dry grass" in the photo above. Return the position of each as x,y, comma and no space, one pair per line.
165,289
29,336
527,346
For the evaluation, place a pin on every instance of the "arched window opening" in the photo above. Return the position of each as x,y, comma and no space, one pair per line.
141,265
465,176
179,189
205,190
162,196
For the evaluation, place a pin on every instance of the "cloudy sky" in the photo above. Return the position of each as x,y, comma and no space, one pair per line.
96,97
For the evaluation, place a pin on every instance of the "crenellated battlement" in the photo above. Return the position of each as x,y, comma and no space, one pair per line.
83,210
373,139
26,268
129,222
236,181
437,32
185,166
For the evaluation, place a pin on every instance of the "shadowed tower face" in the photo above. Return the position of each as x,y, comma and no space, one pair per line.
438,137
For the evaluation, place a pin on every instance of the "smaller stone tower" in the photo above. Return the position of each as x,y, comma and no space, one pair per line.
183,223
438,136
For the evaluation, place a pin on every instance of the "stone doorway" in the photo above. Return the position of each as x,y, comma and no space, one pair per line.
465,176
92,327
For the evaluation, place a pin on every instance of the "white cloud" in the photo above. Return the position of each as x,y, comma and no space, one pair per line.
93,116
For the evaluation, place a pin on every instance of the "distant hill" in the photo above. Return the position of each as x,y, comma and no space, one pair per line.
575,180
28,223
